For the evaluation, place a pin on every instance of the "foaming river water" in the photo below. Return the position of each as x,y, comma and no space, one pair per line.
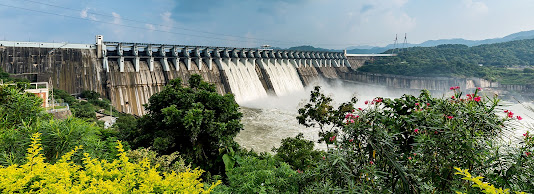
268,120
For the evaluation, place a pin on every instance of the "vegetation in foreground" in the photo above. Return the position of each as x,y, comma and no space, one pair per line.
412,144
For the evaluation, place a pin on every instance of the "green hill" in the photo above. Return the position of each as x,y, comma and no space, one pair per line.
508,62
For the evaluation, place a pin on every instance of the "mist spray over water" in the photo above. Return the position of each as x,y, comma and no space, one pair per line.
270,119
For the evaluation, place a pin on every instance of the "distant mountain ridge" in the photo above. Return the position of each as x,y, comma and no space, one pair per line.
429,43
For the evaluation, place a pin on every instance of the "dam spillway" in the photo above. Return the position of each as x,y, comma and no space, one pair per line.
129,73
136,71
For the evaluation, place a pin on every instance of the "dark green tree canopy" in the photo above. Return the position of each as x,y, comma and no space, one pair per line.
195,121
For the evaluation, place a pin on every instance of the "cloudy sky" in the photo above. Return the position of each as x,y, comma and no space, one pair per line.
250,23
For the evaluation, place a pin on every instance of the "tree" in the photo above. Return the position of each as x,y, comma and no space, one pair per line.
195,121
18,107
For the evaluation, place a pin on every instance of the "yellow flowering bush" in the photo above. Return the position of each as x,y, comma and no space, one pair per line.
95,176
484,187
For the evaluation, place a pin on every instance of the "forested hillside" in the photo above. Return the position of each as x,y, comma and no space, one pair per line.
508,62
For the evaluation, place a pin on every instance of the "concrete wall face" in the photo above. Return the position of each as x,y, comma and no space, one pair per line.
73,70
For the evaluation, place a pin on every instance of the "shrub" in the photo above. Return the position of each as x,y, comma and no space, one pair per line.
94,176
195,121
408,144
90,95
261,175
59,137
83,109
298,152
164,163
67,98
18,108
483,186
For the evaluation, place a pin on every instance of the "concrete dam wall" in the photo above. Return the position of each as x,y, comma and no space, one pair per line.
129,73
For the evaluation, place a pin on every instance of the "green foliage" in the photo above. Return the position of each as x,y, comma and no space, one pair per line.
18,108
409,144
195,121
261,175
321,113
59,137
4,76
90,95
83,109
164,163
462,61
67,98
22,116
298,153
126,125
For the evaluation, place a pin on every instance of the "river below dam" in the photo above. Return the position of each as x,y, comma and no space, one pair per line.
268,120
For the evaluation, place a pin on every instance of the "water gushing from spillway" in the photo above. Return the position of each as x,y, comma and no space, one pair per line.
283,76
243,80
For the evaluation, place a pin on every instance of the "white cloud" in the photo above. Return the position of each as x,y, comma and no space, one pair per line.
150,27
476,7
116,18
400,22
168,22
83,13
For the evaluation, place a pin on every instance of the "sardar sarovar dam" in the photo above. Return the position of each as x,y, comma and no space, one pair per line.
129,73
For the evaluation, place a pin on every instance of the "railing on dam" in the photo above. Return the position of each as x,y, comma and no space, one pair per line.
136,52
46,45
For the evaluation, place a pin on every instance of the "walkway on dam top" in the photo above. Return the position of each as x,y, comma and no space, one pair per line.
46,45
371,55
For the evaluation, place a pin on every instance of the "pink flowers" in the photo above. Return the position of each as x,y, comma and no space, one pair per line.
454,88
351,140
510,114
449,117
350,118
366,102
479,89
416,104
333,138
409,158
525,134
528,154
477,99
371,162
416,130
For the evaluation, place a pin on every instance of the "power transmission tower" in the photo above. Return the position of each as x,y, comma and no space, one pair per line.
405,48
394,45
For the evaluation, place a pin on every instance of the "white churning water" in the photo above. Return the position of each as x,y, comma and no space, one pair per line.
270,119
243,80
283,76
